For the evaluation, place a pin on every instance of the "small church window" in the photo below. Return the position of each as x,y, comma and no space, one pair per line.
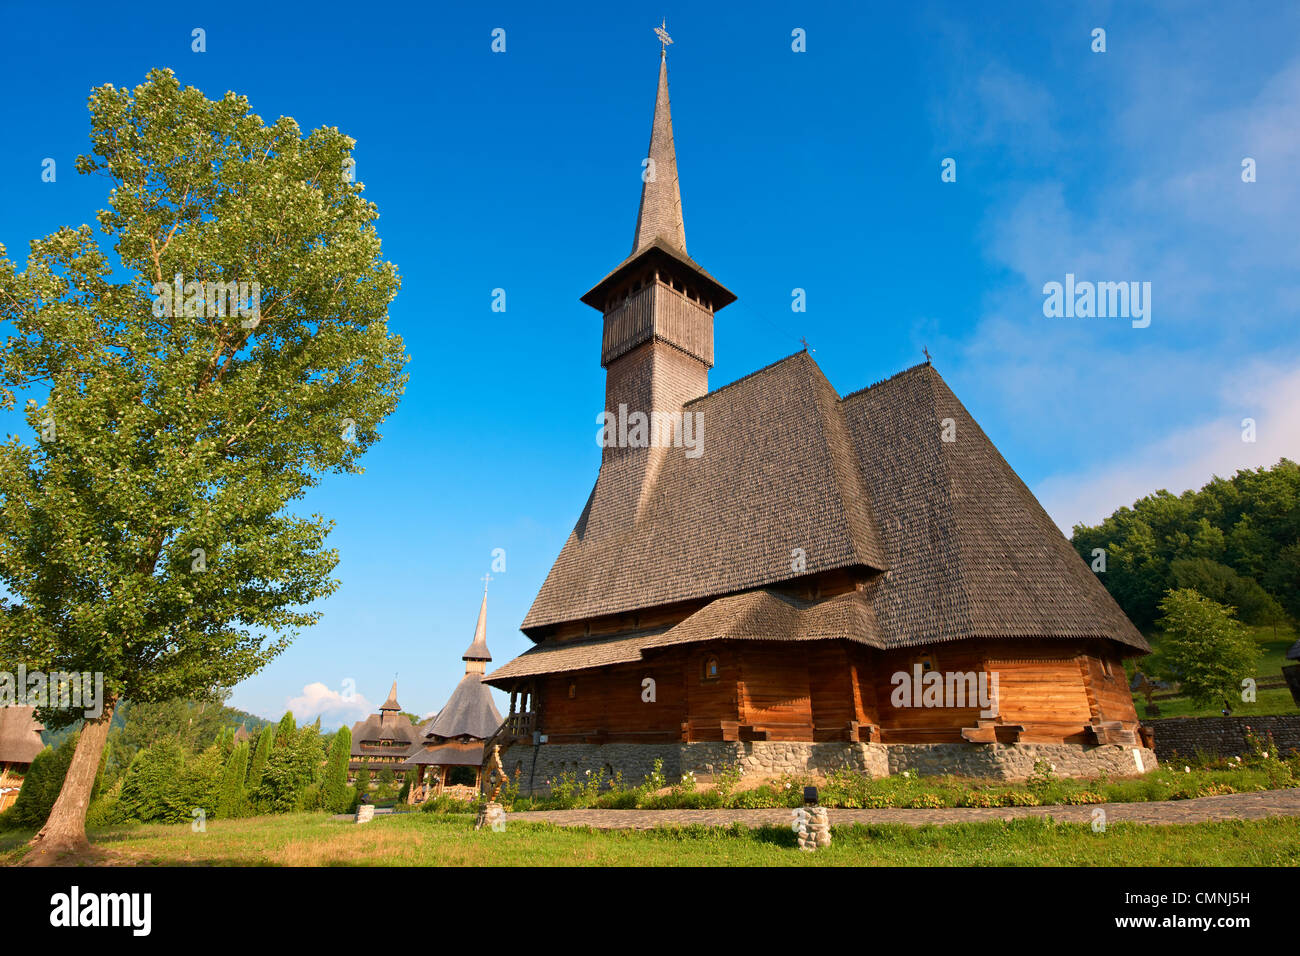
711,668
926,662
1105,668
573,689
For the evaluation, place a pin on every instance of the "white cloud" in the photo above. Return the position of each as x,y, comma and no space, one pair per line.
1191,456
331,706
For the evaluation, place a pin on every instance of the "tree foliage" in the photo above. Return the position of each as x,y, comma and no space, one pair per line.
230,801
334,790
1203,647
265,741
146,538
1248,524
294,766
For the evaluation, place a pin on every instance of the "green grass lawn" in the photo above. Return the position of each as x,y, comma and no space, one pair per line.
1273,645
428,839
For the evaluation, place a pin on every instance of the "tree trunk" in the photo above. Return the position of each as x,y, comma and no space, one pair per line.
65,831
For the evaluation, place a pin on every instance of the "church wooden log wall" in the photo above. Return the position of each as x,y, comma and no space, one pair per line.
1049,692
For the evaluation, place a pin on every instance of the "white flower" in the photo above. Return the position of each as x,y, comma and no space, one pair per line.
907,773
1187,770
1264,755
1053,767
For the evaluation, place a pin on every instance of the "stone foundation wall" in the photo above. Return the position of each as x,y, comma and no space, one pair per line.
543,763
1016,761
1221,736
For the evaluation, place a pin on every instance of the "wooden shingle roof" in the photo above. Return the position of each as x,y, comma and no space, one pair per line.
760,615
20,734
469,712
972,553
777,472
963,548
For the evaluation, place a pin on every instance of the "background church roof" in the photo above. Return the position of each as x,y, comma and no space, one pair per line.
469,711
20,734
389,724
777,472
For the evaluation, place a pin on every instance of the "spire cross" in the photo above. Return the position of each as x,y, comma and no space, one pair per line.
485,579
661,32
925,351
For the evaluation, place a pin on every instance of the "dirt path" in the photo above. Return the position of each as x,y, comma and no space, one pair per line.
1236,806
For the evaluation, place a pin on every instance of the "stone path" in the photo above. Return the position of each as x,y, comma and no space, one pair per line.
1236,806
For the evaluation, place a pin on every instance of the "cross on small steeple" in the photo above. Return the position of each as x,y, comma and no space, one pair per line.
485,579
805,344
661,32
925,351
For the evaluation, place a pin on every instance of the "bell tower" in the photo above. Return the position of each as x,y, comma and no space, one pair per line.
658,305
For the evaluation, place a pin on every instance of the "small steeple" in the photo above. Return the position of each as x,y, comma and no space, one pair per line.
477,654
660,214
391,703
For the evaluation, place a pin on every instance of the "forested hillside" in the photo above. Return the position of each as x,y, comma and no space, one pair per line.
1236,541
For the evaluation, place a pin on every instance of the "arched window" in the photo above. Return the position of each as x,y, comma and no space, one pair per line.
710,668
573,689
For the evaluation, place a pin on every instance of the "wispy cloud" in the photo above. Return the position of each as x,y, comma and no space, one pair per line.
1189,457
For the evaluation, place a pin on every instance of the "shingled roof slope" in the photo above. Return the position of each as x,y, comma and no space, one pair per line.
760,615
386,726
971,551
777,471
469,711
20,734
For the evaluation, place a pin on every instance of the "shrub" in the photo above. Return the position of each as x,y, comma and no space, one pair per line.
334,789
41,786
1018,798
152,790
230,801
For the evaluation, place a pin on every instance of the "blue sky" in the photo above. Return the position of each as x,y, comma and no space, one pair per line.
817,170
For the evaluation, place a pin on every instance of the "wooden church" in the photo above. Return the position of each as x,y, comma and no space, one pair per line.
447,757
789,592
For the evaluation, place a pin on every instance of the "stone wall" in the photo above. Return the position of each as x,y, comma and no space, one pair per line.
541,764
1220,736
1016,761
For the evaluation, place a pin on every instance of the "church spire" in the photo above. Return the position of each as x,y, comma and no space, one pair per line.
477,654
660,213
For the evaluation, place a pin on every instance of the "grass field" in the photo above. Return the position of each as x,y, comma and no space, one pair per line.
423,839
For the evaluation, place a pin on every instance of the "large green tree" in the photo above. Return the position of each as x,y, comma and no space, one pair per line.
1203,647
144,529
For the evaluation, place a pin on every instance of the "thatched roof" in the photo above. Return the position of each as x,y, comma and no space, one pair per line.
20,735
866,482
